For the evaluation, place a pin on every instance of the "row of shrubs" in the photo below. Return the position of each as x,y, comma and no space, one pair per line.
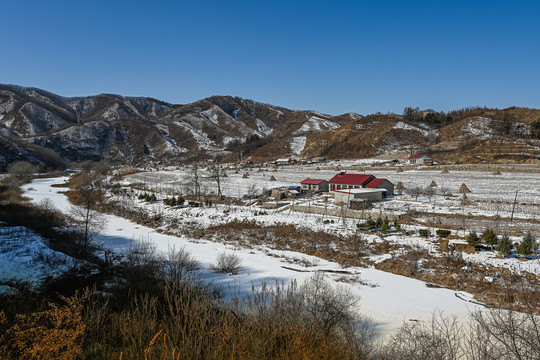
440,233
381,224
503,244
147,198
174,201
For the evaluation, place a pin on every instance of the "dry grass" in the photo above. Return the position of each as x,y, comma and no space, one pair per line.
183,321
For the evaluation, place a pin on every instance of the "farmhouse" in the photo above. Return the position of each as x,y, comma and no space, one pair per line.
314,185
381,184
348,195
419,159
281,162
349,181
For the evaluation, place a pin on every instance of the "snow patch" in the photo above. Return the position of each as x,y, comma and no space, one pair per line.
298,144
263,128
405,126
24,257
210,115
480,127
315,123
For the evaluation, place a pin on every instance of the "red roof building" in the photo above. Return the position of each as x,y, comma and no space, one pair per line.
419,159
312,181
349,181
314,185
381,184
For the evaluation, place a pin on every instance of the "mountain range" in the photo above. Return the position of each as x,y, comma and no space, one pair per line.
42,127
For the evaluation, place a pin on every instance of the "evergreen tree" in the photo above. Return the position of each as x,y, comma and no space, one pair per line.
489,237
527,246
473,239
505,245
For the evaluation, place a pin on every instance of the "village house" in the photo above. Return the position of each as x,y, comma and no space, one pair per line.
314,185
381,184
349,181
246,163
281,162
419,159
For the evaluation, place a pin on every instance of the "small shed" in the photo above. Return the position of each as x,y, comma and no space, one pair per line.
278,193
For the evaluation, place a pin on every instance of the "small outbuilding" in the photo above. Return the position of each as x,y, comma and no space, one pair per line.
346,195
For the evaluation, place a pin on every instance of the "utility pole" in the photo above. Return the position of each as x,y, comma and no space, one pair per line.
514,207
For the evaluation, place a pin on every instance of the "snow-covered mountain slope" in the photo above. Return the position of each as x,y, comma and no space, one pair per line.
137,130
41,127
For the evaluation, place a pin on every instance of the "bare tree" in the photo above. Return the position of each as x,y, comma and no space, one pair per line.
195,181
85,212
429,192
217,174
437,338
414,191
22,170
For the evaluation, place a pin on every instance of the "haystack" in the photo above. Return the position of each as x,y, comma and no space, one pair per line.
245,176
497,172
400,187
236,171
433,184
225,175
399,170
444,171
466,201
317,168
464,189
272,178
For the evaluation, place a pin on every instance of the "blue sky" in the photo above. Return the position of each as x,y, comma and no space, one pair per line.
333,57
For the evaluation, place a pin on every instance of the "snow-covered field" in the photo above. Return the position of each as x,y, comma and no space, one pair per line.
493,195
390,300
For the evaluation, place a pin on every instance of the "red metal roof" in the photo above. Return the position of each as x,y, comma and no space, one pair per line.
351,179
374,183
412,157
312,181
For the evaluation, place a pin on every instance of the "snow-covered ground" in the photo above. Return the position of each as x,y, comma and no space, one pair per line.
493,195
390,300
24,257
